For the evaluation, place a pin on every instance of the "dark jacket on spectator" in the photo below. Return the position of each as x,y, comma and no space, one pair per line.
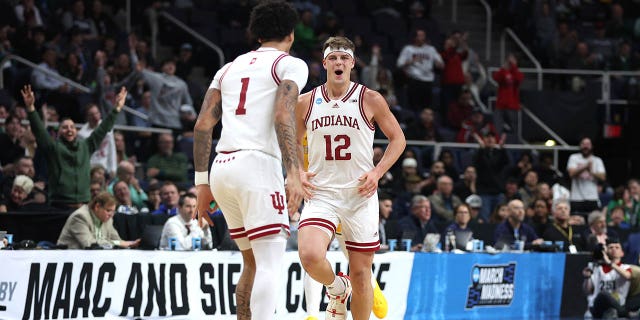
68,163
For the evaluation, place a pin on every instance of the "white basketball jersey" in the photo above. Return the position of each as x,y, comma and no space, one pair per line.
340,138
248,87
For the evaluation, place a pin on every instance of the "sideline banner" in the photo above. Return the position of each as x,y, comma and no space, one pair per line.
161,284
483,286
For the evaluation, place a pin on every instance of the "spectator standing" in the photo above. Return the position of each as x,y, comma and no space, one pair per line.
489,161
454,54
418,60
585,170
12,144
184,227
93,224
509,79
68,156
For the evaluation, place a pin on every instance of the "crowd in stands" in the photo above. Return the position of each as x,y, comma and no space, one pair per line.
433,81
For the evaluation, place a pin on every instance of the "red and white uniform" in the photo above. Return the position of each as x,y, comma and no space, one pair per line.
340,146
605,279
246,175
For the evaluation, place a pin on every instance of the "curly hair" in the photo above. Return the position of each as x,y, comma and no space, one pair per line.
272,20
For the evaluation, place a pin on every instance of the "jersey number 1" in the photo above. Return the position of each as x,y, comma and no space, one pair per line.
240,110
336,154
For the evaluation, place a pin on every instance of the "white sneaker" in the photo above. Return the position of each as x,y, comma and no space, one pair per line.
337,307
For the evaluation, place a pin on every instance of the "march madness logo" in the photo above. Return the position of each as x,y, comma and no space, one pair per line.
491,285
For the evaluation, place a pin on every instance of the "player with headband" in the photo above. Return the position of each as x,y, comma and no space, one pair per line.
339,118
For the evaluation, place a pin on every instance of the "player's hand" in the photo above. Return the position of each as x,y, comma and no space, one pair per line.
295,193
368,184
305,178
203,208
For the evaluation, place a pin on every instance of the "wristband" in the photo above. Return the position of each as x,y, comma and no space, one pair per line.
201,177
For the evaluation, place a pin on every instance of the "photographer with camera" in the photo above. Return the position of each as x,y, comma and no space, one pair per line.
607,284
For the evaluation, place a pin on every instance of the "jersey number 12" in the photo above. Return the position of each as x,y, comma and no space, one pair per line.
342,143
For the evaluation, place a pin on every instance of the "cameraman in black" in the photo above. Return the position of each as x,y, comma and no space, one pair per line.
607,284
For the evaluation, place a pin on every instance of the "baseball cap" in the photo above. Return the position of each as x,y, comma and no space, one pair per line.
23,182
474,201
410,162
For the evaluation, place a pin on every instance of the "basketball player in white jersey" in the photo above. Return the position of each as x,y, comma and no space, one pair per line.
255,97
339,119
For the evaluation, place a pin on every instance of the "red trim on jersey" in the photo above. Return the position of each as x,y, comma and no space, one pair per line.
223,74
361,106
237,233
362,246
350,92
228,152
325,95
326,224
267,230
273,68
313,98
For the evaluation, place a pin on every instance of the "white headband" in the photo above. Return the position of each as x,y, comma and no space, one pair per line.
329,50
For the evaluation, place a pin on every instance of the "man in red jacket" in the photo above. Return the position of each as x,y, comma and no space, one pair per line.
508,102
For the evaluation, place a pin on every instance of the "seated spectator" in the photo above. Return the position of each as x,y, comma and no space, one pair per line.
123,196
510,191
608,284
431,183
597,233
528,191
561,230
153,193
184,227
467,186
460,109
462,217
514,228
98,174
443,201
448,159
618,218
12,144
24,166
93,224
546,171
126,173
475,124
387,226
418,224
68,157
539,215
22,186
170,199
500,214
425,128
166,165
95,188
475,204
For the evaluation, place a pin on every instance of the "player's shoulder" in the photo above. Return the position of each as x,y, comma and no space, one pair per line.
372,96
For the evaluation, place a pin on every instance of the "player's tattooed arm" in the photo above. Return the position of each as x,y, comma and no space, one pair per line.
286,100
210,114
